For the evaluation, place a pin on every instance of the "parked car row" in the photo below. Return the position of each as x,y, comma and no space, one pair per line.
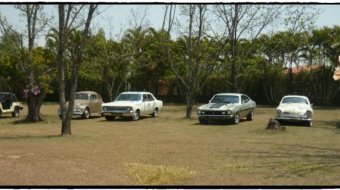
223,106
127,104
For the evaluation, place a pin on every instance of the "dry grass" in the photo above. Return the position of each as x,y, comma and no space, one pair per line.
169,150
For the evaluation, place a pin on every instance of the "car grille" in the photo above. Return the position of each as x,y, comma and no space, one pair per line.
116,108
213,113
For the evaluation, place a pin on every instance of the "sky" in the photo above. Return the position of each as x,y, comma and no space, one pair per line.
120,14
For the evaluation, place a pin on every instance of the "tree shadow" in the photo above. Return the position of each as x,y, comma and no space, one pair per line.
220,123
126,119
19,137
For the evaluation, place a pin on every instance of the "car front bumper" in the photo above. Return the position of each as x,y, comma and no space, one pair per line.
215,117
118,113
293,118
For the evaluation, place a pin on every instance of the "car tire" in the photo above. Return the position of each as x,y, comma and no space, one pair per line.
136,115
236,118
86,114
110,118
155,113
203,121
250,116
16,112
309,123
60,116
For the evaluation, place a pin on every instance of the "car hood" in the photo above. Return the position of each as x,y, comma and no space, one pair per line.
294,107
217,106
121,103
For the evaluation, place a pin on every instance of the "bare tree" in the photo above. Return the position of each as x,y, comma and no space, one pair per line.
199,55
65,23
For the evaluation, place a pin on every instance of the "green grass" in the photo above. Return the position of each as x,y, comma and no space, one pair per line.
169,150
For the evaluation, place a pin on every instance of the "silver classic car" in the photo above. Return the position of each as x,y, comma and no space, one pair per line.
86,104
227,106
295,108
132,104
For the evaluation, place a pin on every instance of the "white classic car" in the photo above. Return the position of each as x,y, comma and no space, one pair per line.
227,106
295,108
132,104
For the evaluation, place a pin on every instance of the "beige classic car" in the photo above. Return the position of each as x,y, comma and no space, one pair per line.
86,104
132,104
295,108
9,104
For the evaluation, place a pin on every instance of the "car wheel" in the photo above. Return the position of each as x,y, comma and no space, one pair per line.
110,118
154,113
86,114
136,115
236,118
16,112
250,116
309,123
203,121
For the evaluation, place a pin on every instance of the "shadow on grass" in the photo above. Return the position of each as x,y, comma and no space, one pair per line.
29,137
220,122
126,119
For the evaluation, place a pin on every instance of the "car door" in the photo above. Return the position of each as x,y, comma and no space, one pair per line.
152,103
244,106
95,104
145,105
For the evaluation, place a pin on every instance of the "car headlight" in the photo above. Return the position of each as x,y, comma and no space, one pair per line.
104,108
229,112
128,108
199,111
308,112
279,112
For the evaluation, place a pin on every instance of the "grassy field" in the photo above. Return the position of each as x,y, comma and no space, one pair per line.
169,150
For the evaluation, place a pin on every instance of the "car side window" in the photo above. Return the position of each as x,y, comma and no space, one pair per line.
145,98
99,97
150,98
244,99
93,97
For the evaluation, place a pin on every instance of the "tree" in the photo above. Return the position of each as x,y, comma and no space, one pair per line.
198,55
65,23
35,91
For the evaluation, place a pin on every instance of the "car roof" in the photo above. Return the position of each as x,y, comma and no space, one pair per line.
230,93
300,96
136,92
5,93
87,92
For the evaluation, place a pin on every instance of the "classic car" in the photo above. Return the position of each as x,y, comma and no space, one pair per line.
227,106
132,104
86,104
295,108
9,104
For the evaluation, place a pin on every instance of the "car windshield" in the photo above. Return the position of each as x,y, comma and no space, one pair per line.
225,99
82,96
290,100
129,97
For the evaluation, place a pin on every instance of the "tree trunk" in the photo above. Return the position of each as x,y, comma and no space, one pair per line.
34,103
